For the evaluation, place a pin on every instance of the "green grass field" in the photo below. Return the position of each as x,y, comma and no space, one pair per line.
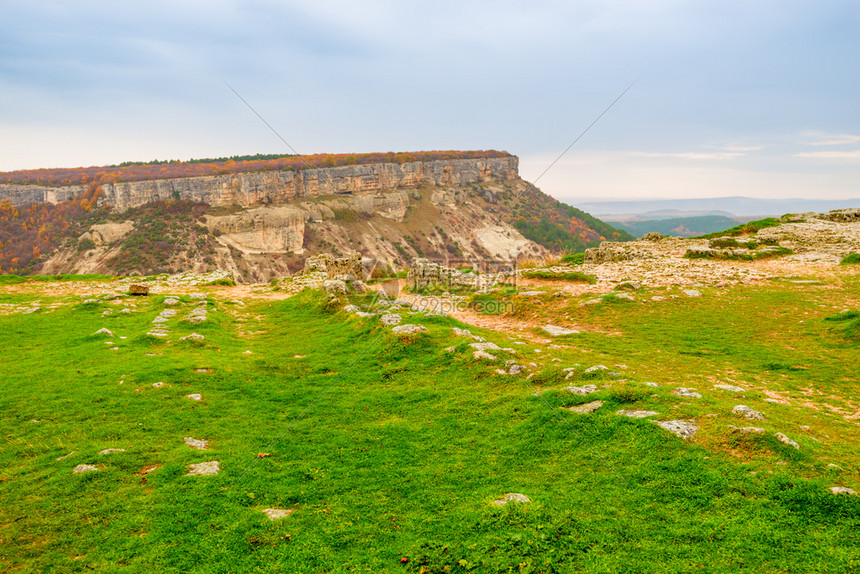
391,451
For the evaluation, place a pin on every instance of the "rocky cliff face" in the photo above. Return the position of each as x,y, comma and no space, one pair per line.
248,189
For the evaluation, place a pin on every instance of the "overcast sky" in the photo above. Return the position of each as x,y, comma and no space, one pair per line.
757,98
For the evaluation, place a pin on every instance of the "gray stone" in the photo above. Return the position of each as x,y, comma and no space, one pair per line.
104,331
595,369
842,490
484,356
359,287
171,301
687,393
657,298
691,293
585,409
408,329
684,429
732,388
198,443
34,309
485,346
747,412
558,331
531,293
391,319
515,369
335,287
111,450
204,468
583,390
195,397
651,384
785,440
277,513
352,308
512,497
636,414
84,468
192,337
157,385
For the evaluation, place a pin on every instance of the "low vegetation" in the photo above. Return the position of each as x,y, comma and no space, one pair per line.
747,228
559,275
851,259
392,463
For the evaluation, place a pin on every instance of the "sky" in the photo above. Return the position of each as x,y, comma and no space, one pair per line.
759,98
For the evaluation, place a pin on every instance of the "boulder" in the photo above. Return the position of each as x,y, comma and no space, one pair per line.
747,412
137,289
684,429
558,331
408,329
512,497
335,287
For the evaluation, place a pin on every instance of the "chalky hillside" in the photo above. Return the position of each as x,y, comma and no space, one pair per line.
658,405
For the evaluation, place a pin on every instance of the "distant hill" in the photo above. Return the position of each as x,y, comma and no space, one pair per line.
678,226
727,205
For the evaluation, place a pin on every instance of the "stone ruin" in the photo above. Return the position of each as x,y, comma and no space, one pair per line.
335,266
424,273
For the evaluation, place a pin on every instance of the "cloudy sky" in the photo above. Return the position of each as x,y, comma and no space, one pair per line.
753,97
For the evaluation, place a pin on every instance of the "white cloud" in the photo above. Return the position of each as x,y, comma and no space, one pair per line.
825,139
693,155
847,154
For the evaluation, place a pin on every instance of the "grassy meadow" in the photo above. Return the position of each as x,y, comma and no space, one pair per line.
390,451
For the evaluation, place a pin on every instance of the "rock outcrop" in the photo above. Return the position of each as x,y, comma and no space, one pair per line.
248,189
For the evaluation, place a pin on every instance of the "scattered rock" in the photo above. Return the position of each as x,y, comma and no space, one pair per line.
276,513
139,290
408,329
687,393
558,331
755,430
111,450
34,309
636,414
512,497
198,443
691,293
484,356
785,440
684,429
595,369
515,369
585,409
171,301
84,468
104,331
485,346
842,490
651,384
732,388
65,456
335,287
352,308
195,396
747,412
450,349
583,390
157,385
657,298
203,468
829,465
390,320
192,337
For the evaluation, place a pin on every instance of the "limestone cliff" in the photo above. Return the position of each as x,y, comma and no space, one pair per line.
247,189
